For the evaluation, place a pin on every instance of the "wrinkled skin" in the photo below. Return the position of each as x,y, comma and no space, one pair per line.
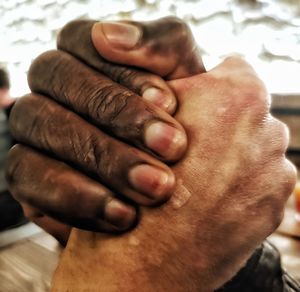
226,200
166,48
123,114
238,180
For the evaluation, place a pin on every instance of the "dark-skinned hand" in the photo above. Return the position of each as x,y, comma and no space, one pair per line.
92,138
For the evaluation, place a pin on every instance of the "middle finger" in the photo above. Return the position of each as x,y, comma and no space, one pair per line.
108,105
125,169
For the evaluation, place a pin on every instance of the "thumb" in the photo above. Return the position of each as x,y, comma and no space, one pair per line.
165,47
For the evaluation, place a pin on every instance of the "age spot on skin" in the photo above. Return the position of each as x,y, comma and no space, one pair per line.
180,196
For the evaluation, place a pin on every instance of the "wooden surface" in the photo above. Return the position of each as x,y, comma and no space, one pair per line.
28,265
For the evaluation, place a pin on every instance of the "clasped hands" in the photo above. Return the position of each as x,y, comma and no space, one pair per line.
97,140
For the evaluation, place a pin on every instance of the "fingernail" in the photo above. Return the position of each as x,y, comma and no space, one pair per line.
121,35
159,98
152,181
119,214
166,140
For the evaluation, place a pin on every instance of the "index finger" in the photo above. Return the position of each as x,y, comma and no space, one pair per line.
75,38
108,105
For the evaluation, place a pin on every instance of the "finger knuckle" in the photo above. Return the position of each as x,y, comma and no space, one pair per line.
272,211
137,81
106,158
280,189
254,93
14,117
42,67
251,96
178,25
68,29
246,86
20,106
237,64
175,31
84,150
108,102
236,60
93,154
281,136
125,76
289,179
23,126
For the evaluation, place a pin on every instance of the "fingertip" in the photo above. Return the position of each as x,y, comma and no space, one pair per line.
154,182
166,140
119,214
164,99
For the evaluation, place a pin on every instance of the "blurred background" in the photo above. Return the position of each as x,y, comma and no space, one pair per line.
266,32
